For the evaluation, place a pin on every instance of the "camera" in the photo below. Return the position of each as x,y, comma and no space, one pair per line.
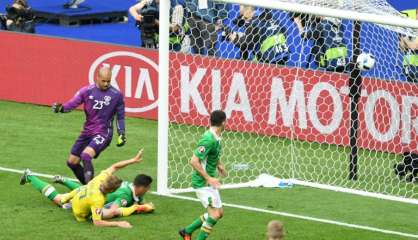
225,32
14,13
148,27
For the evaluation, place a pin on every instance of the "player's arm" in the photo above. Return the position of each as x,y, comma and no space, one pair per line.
221,169
120,122
76,101
96,212
119,165
134,10
120,201
199,155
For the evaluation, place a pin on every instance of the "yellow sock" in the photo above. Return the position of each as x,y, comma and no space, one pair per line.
127,211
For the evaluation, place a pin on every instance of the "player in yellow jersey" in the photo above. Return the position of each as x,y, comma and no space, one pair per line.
88,200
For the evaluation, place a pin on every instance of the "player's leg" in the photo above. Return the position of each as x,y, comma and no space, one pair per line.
187,232
97,144
113,210
70,184
74,164
73,161
45,188
211,200
87,158
215,213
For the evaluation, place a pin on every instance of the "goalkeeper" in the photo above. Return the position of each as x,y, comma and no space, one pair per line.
87,201
127,195
101,103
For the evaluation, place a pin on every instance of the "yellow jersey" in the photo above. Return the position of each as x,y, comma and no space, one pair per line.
89,200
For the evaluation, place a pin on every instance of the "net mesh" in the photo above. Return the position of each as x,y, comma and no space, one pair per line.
283,80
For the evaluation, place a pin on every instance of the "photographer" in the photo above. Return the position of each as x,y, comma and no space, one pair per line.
329,48
409,48
178,29
146,15
263,38
19,17
205,21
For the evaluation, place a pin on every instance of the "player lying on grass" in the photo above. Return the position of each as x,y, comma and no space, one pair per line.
102,103
205,162
128,194
88,201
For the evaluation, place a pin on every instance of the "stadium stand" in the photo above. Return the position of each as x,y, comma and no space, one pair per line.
127,34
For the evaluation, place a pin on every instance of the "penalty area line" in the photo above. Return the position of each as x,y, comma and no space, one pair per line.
260,210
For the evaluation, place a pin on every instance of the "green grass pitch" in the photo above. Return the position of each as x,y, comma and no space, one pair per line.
32,137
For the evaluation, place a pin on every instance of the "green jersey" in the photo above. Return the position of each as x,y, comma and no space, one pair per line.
208,150
124,196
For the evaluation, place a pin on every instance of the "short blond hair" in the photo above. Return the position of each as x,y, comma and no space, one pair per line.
275,230
111,184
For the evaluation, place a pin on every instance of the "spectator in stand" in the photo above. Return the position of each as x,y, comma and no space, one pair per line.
73,4
409,47
146,14
19,17
275,230
178,27
329,49
205,21
263,39
3,22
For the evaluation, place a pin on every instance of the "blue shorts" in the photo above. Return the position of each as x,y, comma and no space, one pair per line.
98,142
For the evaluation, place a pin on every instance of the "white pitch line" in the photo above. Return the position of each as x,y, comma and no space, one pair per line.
291,215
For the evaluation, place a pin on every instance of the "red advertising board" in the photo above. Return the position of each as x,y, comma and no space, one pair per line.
265,99
45,70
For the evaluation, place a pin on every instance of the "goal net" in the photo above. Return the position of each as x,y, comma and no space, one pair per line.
303,99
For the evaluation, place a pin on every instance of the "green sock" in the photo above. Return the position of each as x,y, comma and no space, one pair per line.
46,189
197,223
206,228
70,184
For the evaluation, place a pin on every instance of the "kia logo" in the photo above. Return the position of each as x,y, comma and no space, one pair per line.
133,75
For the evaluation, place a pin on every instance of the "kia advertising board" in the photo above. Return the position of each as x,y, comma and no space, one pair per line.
45,70
259,98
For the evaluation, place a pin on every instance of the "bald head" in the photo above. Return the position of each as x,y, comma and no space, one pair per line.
275,230
103,78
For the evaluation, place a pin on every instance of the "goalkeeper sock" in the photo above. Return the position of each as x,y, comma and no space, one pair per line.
88,167
206,228
46,189
197,223
127,211
70,184
78,171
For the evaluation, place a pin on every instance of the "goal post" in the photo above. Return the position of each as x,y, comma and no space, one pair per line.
296,119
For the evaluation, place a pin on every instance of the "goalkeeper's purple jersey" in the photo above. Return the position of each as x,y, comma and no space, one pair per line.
100,108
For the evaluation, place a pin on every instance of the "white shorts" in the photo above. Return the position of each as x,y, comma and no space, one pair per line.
209,197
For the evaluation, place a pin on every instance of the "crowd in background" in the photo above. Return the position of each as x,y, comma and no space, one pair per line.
197,26
260,35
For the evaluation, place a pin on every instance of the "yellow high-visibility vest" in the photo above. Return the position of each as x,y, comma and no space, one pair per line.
412,13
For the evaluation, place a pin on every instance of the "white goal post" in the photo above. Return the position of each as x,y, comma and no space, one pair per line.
313,160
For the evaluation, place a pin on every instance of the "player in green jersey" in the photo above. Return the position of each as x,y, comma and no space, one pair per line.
206,164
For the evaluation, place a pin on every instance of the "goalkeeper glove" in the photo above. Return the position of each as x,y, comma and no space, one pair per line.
121,140
57,108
